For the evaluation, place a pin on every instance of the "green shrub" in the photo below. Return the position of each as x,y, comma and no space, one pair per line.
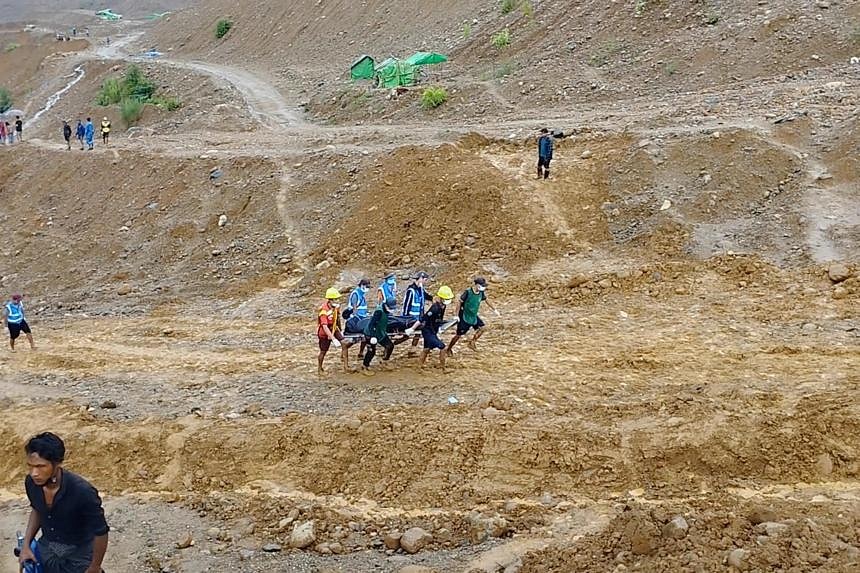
434,97
131,110
502,40
504,69
222,27
12,46
110,93
641,5
509,6
467,30
528,9
134,85
670,68
167,103
5,100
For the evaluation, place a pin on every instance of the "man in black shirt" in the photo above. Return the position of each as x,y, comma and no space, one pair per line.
19,128
430,324
66,508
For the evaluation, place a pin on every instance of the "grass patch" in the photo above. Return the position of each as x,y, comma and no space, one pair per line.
501,40
605,53
222,27
671,68
134,85
639,8
712,18
167,103
131,110
434,97
467,30
528,9
504,69
509,6
5,100
11,47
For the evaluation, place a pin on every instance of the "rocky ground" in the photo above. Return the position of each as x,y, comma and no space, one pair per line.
670,384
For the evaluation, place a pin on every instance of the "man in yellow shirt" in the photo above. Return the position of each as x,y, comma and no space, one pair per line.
105,130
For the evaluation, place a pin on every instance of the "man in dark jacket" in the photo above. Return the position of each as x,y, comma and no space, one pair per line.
545,146
66,508
67,134
376,333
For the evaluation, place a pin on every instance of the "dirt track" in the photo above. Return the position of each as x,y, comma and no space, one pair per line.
648,363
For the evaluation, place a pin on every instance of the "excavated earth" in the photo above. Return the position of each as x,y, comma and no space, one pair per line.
671,382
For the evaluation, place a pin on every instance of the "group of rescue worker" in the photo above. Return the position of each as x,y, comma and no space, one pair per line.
421,315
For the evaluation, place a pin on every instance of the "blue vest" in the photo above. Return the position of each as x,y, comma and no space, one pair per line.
387,291
15,313
358,303
413,303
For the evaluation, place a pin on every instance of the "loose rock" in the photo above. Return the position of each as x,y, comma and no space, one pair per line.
303,535
415,539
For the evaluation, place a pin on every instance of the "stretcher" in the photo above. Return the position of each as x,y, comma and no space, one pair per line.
397,325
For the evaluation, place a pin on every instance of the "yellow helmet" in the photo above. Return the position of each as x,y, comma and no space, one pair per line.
332,294
445,293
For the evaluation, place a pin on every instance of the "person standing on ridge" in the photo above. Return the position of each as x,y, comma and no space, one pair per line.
470,304
387,290
67,134
13,319
328,326
80,133
10,133
545,147
66,508
105,130
19,128
89,133
3,125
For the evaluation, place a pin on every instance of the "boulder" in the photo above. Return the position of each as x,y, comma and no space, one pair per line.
415,539
303,535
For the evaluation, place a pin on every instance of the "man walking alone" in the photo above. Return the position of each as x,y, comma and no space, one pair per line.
66,508
545,146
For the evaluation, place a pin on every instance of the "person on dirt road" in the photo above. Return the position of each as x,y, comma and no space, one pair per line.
328,326
545,146
105,128
10,134
387,290
80,133
89,133
470,304
414,300
66,508
430,323
13,319
376,333
356,307
3,125
67,134
19,128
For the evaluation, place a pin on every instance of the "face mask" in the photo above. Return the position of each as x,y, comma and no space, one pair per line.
391,281
446,302
336,304
363,289
481,289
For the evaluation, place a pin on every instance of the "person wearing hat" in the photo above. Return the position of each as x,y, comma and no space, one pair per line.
13,318
89,133
376,333
470,304
356,310
105,130
545,146
431,322
387,290
328,325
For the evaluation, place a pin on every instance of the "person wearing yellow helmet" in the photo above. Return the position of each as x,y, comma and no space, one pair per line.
328,325
430,323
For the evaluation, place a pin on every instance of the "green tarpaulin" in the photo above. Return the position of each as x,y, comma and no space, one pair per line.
426,58
393,73
362,68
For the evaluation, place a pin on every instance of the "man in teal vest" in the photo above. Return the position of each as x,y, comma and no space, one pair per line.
13,318
470,304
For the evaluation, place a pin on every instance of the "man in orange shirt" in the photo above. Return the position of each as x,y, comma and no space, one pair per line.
328,325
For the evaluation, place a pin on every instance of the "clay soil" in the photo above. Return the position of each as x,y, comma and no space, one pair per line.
671,382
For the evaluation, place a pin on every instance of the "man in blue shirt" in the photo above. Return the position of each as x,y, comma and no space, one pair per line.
414,301
545,146
356,307
13,318
387,290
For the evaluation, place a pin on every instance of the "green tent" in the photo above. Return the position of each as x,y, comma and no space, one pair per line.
362,68
426,58
393,72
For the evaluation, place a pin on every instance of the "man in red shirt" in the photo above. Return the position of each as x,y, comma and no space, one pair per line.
328,325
